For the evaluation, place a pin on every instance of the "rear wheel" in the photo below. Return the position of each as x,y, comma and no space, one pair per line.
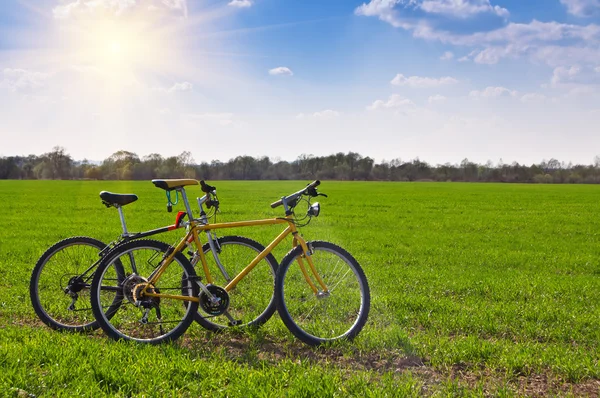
60,284
316,318
252,300
120,305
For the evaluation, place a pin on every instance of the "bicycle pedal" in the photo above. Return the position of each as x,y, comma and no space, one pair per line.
235,323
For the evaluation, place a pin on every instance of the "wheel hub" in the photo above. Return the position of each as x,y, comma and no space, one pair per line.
141,300
75,285
129,286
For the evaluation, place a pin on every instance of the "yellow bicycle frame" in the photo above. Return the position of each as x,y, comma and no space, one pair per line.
193,236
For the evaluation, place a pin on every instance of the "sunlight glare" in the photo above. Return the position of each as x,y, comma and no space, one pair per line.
123,48
115,47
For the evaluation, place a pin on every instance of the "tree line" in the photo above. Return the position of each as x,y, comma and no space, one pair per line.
125,165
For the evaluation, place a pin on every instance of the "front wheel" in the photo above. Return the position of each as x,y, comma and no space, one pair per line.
122,308
316,318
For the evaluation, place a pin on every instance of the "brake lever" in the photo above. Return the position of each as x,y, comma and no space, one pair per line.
312,192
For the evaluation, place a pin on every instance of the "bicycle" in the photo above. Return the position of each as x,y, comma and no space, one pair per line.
324,300
62,276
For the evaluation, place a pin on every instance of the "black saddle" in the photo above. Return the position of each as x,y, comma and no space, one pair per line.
117,199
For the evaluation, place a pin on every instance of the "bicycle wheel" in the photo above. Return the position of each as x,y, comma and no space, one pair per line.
317,318
252,301
60,282
120,306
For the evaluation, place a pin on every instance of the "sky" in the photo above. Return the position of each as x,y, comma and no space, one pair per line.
438,80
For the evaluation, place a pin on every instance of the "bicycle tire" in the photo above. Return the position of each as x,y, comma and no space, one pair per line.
252,301
119,310
339,315
50,279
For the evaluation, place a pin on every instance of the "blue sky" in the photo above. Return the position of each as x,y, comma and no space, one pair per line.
441,80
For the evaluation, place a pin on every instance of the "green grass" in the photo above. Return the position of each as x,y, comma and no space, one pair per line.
486,285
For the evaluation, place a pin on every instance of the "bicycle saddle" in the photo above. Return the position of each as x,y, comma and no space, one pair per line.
117,199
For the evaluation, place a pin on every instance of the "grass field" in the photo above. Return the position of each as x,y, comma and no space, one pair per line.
477,290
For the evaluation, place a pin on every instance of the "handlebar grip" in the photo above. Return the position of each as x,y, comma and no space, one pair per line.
276,204
205,187
314,184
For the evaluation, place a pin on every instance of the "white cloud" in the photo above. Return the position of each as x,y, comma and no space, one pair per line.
549,42
492,55
281,71
180,5
562,74
533,98
394,102
325,114
240,3
385,10
462,8
581,90
22,80
493,92
422,82
90,7
448,55
582,8
183,86
436,99
575,80
517,34
113,8
177,87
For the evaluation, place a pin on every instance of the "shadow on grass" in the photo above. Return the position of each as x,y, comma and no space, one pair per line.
255,348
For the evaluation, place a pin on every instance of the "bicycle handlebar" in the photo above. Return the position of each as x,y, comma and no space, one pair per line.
310,187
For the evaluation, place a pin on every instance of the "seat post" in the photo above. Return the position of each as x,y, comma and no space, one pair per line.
122,217
187,204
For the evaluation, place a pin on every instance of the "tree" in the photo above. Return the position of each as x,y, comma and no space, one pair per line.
9,168
56,164
120,165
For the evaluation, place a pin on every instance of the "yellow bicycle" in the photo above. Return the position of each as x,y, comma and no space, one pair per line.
154,294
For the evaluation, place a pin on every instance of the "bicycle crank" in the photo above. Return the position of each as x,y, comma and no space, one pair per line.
216,305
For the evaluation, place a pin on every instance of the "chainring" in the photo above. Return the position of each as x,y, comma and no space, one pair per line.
214,308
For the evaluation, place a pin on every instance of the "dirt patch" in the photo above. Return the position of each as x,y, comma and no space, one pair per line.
250,350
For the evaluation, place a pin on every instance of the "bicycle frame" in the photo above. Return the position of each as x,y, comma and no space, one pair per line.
193,236
126,237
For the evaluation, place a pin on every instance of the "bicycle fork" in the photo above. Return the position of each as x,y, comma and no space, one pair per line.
307,252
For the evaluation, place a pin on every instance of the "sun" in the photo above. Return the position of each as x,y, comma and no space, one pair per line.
115,48
122,48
